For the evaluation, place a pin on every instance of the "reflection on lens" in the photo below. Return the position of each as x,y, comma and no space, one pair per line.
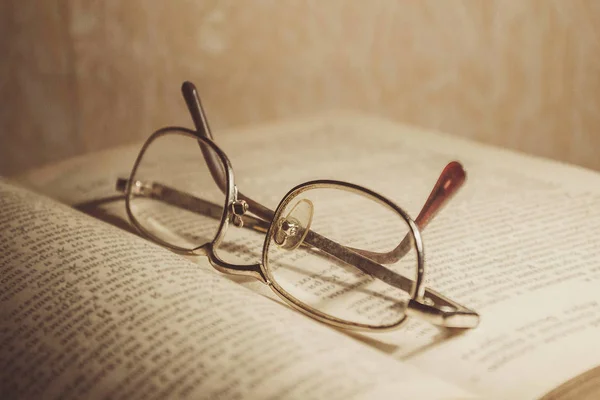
174,198
330,271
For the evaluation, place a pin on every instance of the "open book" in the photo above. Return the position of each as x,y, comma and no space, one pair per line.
88,309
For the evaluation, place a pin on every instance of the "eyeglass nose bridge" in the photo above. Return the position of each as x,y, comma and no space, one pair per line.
291,230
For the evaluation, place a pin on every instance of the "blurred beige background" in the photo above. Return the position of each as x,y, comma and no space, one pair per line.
77,75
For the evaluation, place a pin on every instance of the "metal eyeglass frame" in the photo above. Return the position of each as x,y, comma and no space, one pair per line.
424,303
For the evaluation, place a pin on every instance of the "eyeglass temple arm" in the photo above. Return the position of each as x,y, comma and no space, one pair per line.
449,182
433,307
194,105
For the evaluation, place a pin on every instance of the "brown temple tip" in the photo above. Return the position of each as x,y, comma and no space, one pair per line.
451,179
454,175
192,101
194,105
188,89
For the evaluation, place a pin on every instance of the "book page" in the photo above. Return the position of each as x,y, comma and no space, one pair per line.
89,311
519,243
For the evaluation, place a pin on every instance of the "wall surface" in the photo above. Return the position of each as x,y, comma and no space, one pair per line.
77,75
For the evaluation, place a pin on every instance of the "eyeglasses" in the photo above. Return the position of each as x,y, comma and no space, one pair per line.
335,251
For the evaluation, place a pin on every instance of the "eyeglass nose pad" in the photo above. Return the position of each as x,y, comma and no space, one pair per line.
291,230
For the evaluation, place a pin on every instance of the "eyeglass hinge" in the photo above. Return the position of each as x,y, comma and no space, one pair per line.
238,208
